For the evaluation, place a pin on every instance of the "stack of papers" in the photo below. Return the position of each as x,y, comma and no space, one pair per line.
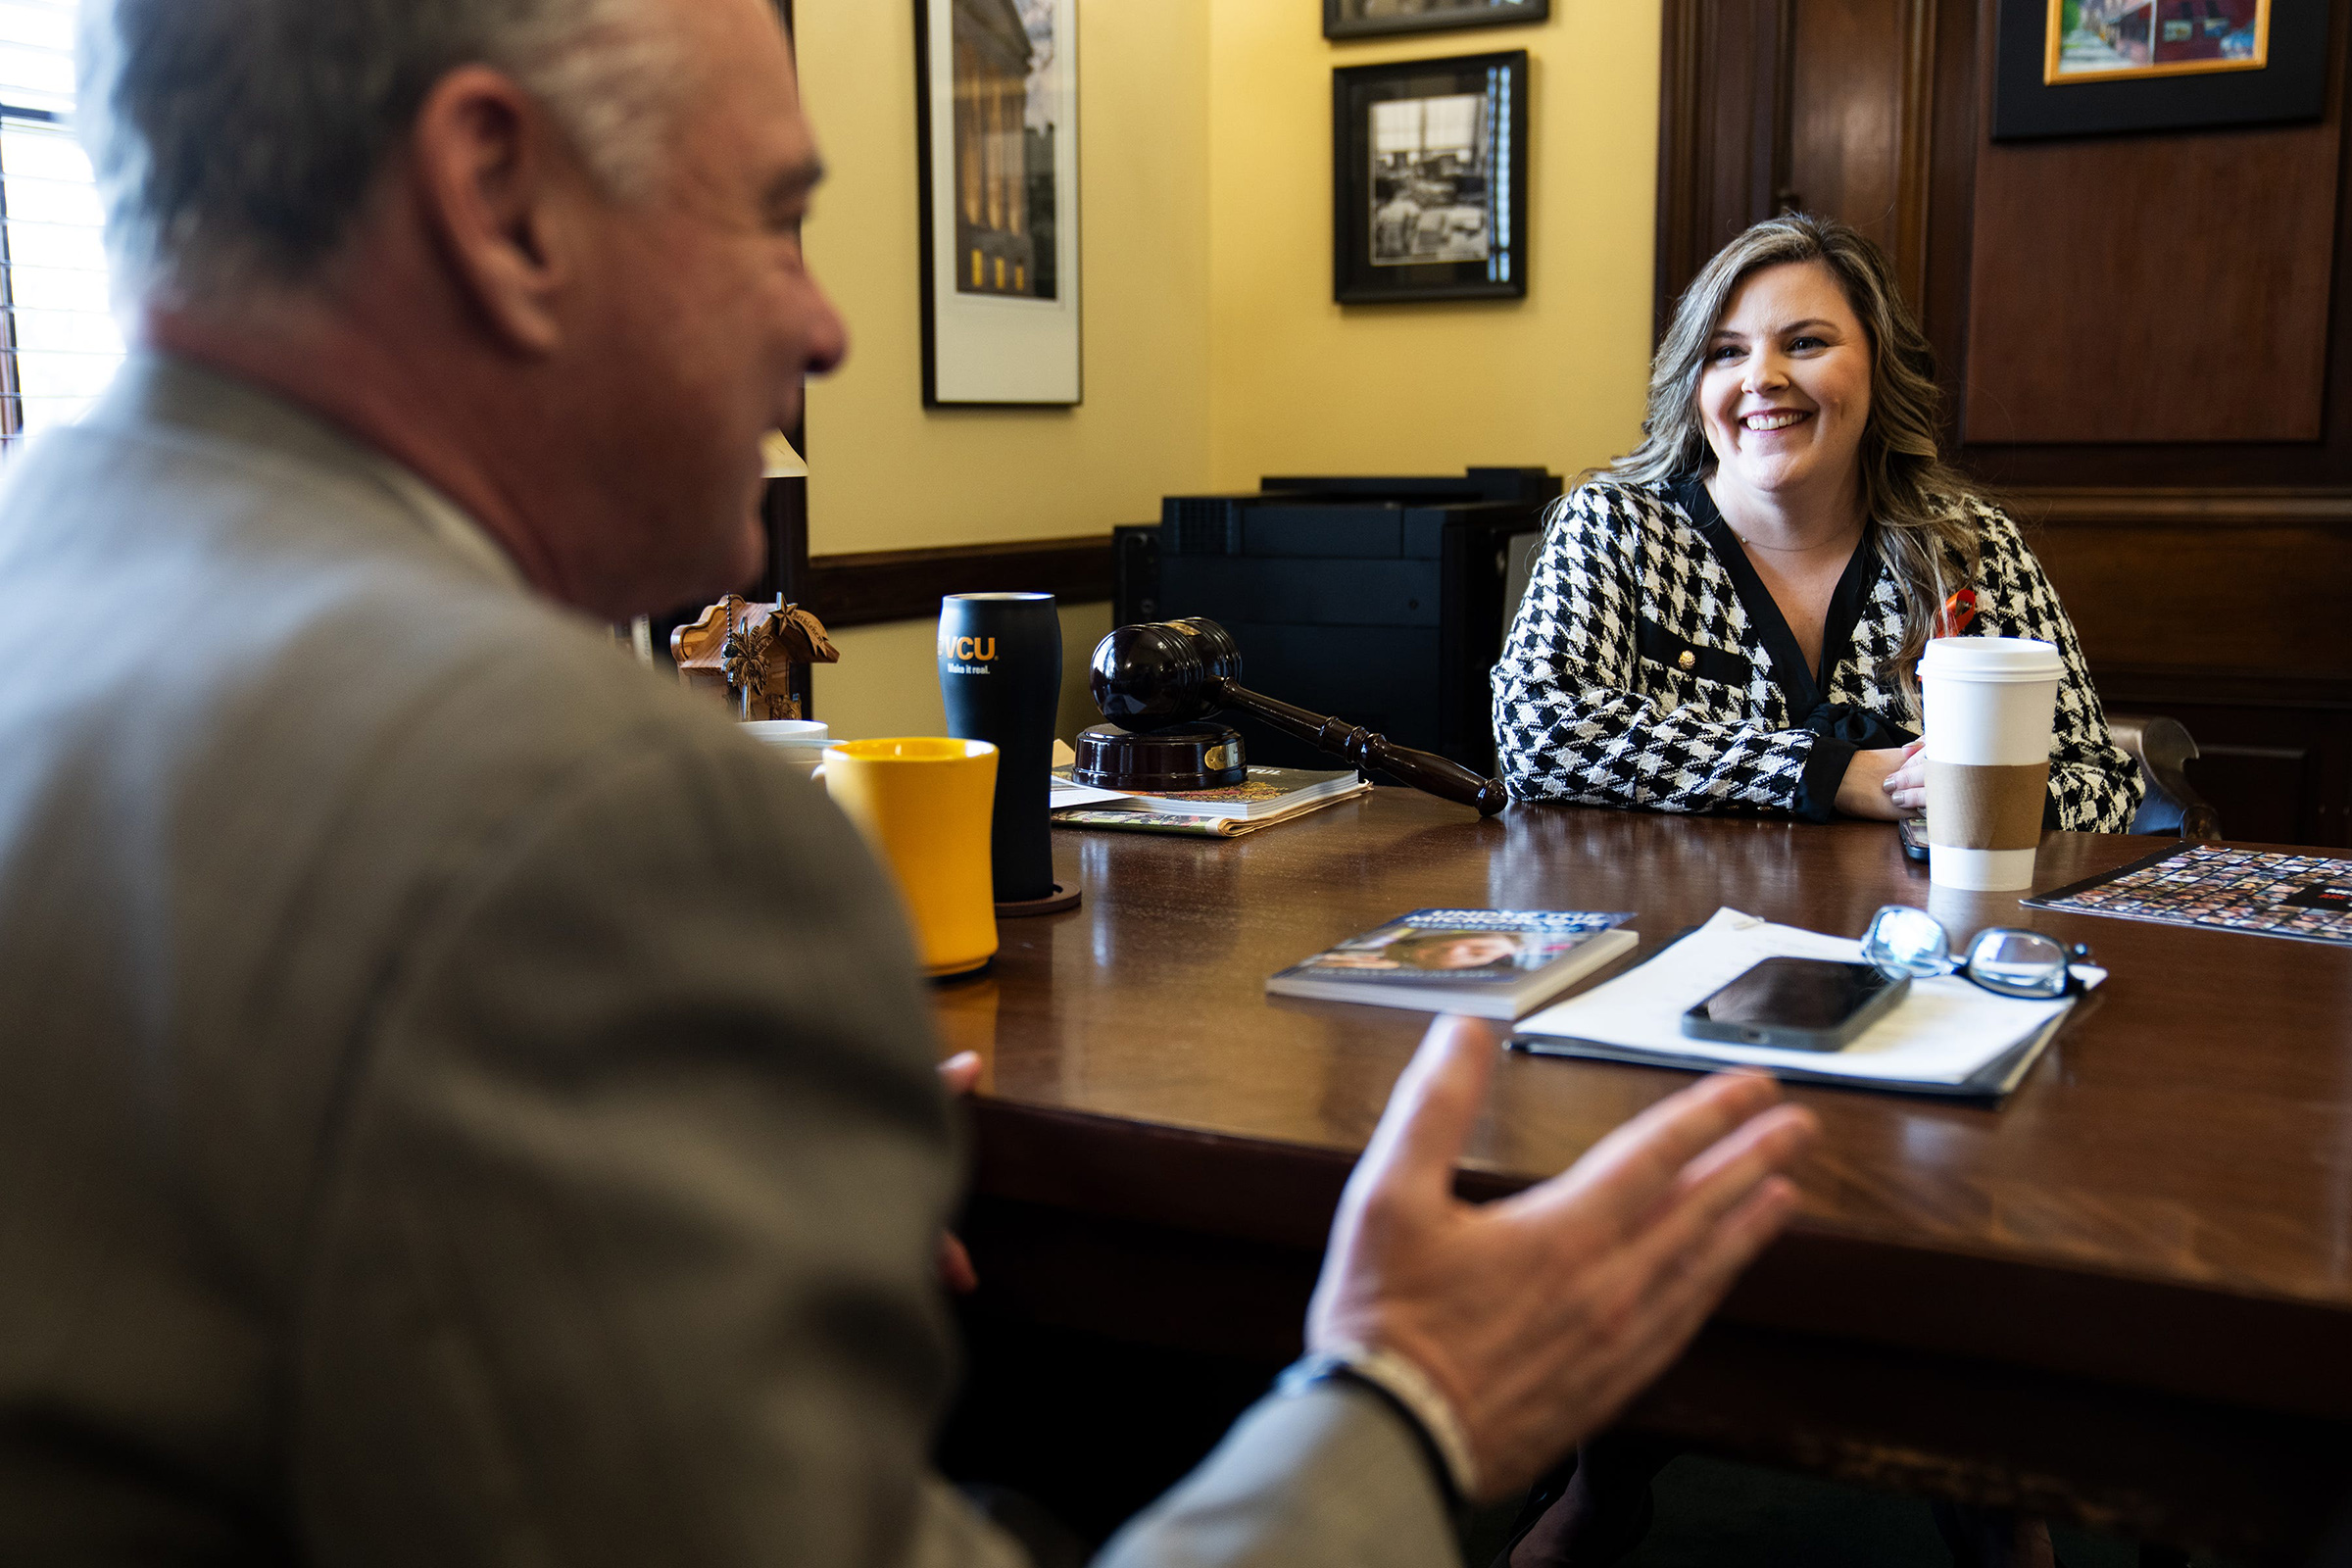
1948,1036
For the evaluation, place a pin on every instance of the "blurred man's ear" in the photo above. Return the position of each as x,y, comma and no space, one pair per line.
495,184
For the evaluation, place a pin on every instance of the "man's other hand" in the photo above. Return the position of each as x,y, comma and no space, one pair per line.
1540,1315
959,1073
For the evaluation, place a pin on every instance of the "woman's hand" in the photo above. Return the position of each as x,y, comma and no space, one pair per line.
1887,785
1907,785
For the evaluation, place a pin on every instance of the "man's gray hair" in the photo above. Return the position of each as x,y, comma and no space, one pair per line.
236,140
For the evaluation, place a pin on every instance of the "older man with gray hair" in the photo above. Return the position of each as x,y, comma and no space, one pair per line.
458,1103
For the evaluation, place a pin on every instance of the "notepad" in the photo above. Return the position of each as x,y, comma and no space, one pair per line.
1948,1036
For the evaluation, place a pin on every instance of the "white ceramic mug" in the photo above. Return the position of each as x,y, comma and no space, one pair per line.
801,742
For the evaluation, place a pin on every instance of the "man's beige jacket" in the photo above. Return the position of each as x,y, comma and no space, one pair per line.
459,1104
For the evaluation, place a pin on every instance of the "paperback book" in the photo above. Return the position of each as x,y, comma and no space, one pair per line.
1486,963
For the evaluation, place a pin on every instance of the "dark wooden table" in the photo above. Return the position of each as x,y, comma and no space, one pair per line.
2123,1296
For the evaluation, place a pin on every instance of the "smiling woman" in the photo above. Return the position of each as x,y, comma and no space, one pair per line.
1729,618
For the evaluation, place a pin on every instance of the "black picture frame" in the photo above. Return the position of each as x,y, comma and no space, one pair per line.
1450,221
2032,101
1448,14
1001,308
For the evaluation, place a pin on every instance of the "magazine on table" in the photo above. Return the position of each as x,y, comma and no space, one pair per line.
1198,828
2261,892
1269,792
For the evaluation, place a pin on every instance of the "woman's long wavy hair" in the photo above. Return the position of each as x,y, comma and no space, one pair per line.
1920,503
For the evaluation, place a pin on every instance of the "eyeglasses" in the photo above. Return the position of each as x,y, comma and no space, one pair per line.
2006,959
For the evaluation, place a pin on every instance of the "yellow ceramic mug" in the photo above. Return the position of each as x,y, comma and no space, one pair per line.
925,805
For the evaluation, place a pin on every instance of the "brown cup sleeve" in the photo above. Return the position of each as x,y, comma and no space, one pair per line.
1974,807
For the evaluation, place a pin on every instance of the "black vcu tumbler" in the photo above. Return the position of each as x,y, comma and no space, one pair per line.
1000,673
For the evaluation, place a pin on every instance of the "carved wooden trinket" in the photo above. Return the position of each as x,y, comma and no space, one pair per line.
746,653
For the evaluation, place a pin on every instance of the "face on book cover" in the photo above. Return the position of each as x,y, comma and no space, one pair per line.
1462,950
1785,394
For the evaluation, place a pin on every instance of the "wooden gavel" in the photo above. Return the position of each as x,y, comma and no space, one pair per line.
1181,672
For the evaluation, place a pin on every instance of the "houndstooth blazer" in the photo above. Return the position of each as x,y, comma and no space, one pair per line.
1648,666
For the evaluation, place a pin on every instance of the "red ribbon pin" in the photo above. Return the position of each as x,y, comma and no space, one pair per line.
1958,615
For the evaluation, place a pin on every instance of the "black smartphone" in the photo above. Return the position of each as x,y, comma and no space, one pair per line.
1798,1005
1912,833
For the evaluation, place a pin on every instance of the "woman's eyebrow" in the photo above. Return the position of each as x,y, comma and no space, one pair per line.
1810,320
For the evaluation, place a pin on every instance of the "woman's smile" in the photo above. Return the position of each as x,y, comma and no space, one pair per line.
1784,391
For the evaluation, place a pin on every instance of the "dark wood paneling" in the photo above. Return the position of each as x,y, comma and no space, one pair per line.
1858,121
2226,610
2244,581
1723,151
1845,111
885,585
785,511
1950,168
1727,146
2276,754
1963,110
2276,783
2152,288
1720,169
1827,105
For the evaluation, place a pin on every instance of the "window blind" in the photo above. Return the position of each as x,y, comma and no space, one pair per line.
59,343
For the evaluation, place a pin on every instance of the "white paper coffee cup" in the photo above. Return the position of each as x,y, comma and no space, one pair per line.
1989,704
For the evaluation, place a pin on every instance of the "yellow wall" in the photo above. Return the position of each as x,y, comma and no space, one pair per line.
1301,385
886,682
1213,353
888,475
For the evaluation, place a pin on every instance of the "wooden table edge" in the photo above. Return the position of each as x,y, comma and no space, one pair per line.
2204,1343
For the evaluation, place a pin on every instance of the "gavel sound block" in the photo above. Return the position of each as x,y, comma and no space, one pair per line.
1181,672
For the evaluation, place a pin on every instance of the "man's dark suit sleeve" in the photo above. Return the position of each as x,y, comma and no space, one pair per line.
623,1251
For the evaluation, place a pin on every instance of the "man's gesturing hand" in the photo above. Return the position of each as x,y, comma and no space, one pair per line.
1542,1314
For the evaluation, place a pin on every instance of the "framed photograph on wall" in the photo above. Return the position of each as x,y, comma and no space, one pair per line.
2073,68
1429,179
1371,19
997,135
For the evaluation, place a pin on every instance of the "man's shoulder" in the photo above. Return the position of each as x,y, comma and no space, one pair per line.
245,561
282,643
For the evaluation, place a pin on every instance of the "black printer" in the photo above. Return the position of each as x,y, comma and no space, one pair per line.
1379,601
